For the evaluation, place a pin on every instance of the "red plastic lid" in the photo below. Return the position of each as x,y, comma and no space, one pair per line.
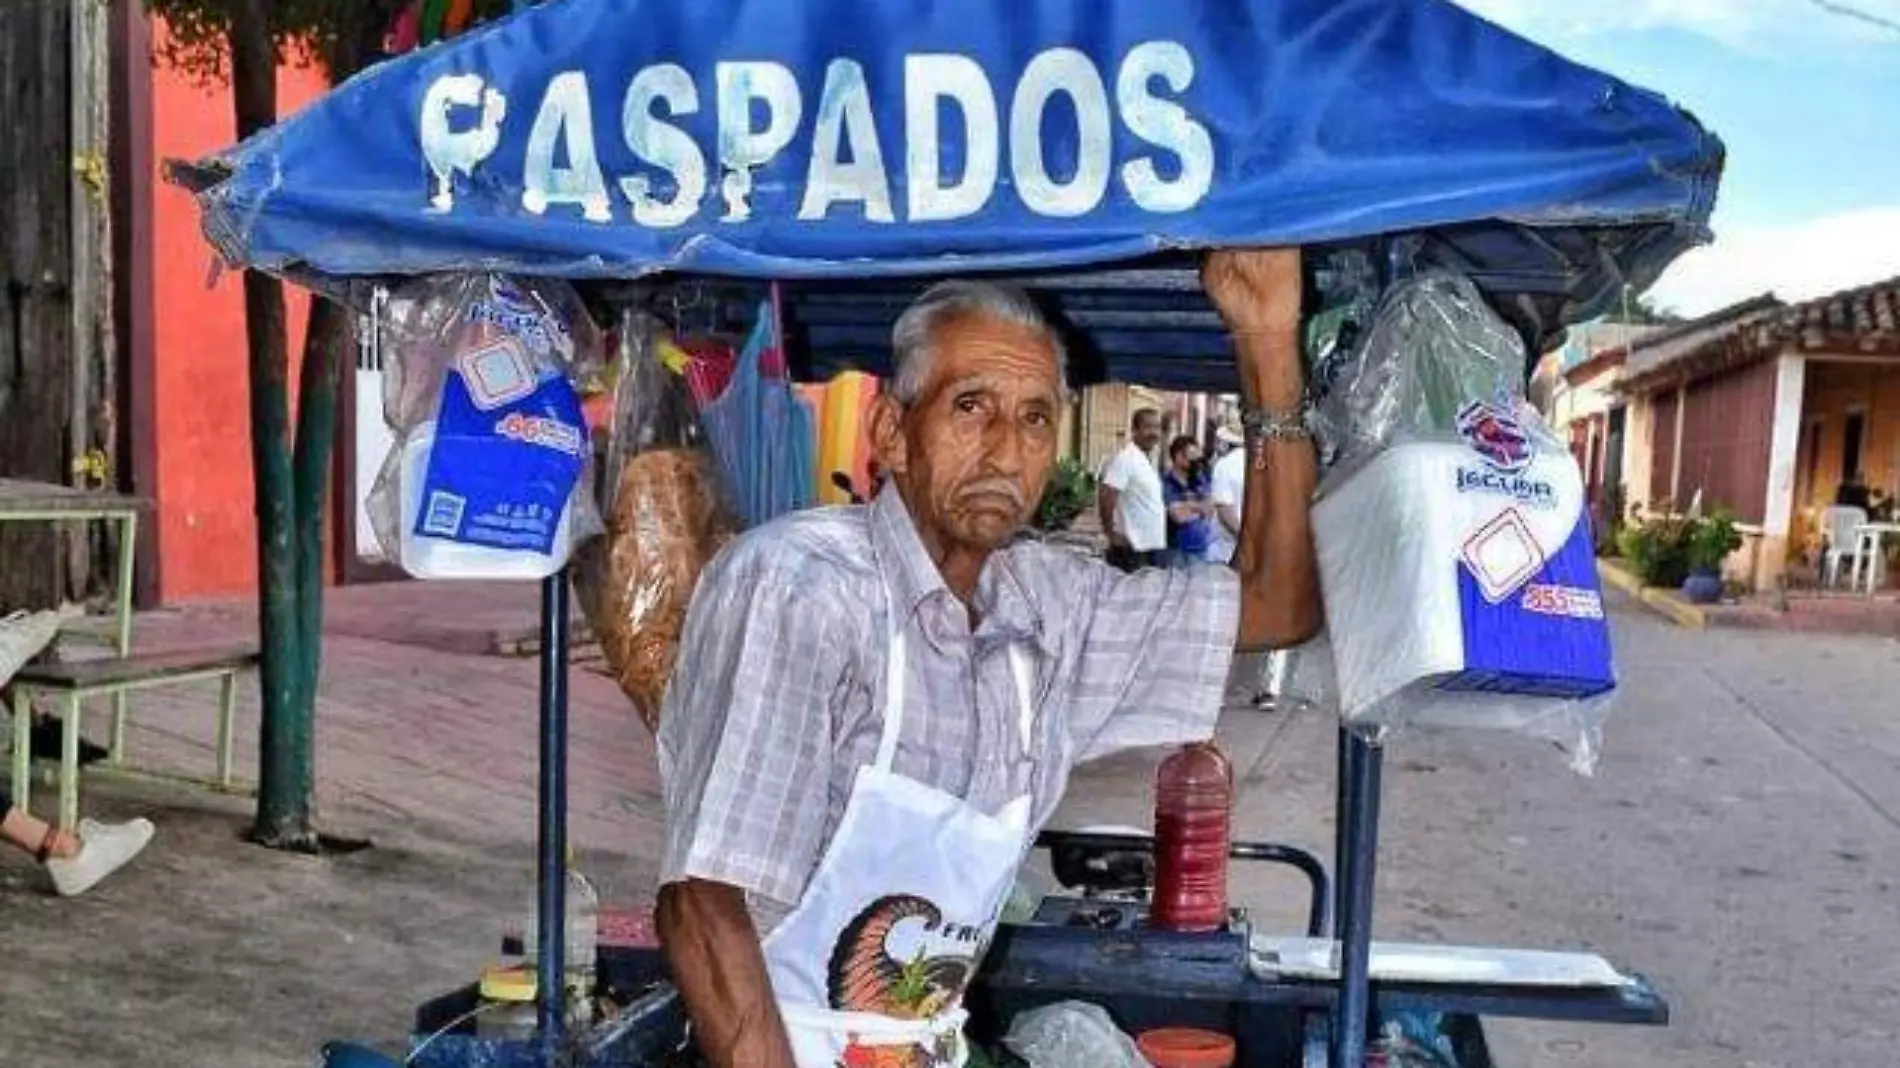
1186,1047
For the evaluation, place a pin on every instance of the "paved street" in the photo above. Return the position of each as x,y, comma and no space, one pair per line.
1738,846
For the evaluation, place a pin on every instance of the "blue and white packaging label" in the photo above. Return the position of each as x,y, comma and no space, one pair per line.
1458,566
1529,602
510,445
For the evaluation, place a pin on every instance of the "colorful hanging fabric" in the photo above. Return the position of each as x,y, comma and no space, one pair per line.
433,12
461,13
403,33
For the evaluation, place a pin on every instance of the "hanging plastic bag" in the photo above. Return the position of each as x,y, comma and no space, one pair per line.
1346,290
667,512
1454,546
482,387
763,431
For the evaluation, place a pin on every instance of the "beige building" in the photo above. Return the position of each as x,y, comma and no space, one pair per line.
1765,409
1584,405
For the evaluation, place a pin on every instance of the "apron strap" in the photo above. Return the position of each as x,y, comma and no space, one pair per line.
1020,668
896,674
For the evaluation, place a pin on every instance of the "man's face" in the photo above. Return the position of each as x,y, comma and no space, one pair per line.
1147,432
1185,459
975,449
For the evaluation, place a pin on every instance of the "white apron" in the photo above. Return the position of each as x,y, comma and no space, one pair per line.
869,969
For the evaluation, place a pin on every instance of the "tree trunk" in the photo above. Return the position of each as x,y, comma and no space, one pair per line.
284,759
325,343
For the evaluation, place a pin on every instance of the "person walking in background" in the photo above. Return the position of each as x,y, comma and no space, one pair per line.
1133,514
1184,489
76,862
1226,489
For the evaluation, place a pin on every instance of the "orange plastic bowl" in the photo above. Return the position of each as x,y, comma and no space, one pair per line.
1186,1047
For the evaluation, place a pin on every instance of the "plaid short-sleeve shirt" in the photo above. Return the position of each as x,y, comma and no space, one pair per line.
777,697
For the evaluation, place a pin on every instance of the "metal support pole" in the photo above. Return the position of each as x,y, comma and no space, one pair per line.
1342,804
551,866
1364,763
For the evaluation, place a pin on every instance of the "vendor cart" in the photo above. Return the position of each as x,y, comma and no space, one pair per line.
1085,150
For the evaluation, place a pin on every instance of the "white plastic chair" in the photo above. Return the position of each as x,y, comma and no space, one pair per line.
1840,526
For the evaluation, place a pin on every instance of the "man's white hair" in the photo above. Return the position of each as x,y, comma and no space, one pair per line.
913,338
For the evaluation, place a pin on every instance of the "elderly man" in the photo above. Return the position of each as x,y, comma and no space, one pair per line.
876,707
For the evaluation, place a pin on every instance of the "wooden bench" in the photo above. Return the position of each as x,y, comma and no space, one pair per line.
71,683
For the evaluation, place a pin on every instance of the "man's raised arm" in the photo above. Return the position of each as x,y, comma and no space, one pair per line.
1257,292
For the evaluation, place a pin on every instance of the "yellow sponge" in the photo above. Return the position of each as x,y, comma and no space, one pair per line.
508,982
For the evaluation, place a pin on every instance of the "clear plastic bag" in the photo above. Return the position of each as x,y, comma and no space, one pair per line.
1455,553
1072,1034
481,385
667,513
1346,289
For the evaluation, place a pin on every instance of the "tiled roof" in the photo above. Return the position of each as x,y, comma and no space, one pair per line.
1865,320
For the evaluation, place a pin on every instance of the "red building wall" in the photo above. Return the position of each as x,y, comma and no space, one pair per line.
206,532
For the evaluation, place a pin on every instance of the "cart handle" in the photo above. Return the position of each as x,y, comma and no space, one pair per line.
1319,911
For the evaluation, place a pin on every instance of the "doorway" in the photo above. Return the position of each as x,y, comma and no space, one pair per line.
1854,434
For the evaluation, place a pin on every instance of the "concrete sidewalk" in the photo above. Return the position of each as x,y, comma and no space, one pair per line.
416,722
211,953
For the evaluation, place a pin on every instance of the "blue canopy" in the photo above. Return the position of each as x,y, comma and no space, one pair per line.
847,139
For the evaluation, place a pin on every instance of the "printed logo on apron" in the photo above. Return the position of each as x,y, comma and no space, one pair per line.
900,959
869,969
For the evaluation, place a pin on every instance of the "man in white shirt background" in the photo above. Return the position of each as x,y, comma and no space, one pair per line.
1262,681
1133,515
1229,489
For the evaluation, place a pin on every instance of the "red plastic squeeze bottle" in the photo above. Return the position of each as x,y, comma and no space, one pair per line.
1194,798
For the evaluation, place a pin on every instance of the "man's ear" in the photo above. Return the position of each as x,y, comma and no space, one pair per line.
887,434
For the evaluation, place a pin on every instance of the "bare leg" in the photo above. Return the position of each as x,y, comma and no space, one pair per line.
22,830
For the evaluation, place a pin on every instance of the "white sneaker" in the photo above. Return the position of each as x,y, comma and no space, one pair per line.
103,849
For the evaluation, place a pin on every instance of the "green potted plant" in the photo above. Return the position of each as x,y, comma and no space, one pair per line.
1657,549
1070,491
1710,541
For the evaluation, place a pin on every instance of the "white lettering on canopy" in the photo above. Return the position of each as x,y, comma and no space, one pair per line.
663,145
1163,123
742,148
759,113
449,150
1061,70
565,119
844,108
928,79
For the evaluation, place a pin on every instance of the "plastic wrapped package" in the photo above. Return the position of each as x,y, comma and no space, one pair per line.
1071,1034
667,515
1455,554
482,387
